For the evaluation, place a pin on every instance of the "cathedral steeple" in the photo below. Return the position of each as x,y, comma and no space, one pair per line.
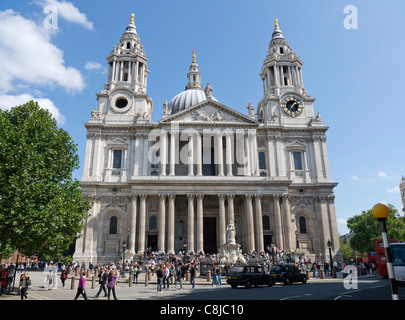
281,70
127,62
284,101
124,97
194,75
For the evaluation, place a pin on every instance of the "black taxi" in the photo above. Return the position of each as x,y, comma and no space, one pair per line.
287,274
249,276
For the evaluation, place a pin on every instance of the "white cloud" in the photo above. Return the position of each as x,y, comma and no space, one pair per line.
342,221
382,174
355,178
9,101
93,65
69,12
31,58
393,190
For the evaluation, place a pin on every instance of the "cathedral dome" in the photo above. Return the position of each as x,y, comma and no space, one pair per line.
187,98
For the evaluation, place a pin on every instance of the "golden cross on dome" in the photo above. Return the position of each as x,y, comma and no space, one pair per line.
132,19
194,52
276,24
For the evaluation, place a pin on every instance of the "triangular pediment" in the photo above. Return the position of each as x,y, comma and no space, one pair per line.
209,112
296,145
117,143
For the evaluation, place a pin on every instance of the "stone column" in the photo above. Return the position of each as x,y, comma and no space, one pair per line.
229,154
98,155
114,71
170,224
191,155
162,221
132,223
199,155
222,222
142,223
249,220
247,156
324,231
287,221
259,223
200,231
163,152
146,163
271,156
121,70
277,217
88,237
231,214
138,159
302,80
220,155
255,155
172,153
190,223
89,155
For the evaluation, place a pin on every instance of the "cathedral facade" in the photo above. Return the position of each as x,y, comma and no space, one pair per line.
175,184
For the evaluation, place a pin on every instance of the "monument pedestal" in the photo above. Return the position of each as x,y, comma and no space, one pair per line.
232,254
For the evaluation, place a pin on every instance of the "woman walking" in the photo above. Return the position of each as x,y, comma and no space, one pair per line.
80,289
24,283
63,277
111,284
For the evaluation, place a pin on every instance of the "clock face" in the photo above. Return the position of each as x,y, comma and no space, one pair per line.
292,106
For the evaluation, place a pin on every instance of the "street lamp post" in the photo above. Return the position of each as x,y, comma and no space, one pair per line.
124,246
332,270
381,212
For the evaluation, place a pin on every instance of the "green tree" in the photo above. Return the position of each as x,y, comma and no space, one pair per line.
41,207
366,229
346,249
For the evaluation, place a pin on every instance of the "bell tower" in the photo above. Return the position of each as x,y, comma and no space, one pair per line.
284,96
124,98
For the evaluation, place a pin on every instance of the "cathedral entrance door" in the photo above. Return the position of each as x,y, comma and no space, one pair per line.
267,240
153,241
210,235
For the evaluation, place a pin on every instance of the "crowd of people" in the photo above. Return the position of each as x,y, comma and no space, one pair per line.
7,279
170,270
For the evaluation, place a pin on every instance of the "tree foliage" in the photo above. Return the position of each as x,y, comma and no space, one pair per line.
41,207
366,229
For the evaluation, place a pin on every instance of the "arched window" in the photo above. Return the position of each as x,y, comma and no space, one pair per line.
152,223
303,224
266,223
113,225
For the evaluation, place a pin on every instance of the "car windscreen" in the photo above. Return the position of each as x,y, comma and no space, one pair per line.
276,268
237,269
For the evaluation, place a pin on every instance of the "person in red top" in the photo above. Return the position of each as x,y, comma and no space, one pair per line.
81,287
3,279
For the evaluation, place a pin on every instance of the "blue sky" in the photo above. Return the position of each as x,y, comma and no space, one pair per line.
356,75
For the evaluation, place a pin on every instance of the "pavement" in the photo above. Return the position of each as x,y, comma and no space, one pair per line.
141,291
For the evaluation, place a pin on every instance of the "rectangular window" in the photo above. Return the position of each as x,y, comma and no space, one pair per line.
262,160
117,160
297,160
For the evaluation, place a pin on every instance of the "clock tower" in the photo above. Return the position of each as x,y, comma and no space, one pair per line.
285,100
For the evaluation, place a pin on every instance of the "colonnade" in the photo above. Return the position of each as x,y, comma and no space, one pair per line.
251,222
238,148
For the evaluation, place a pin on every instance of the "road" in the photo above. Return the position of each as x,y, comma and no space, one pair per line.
333,289
367,288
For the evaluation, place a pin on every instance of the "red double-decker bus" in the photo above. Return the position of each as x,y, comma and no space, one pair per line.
381,259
